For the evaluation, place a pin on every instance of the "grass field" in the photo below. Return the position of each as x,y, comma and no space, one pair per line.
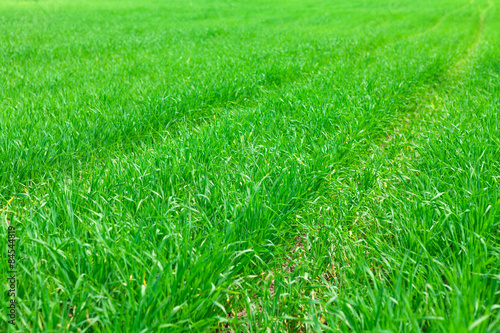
275,166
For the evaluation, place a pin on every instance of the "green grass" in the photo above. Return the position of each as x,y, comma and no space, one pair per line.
212,165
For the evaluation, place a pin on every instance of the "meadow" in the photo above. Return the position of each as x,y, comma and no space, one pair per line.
251,166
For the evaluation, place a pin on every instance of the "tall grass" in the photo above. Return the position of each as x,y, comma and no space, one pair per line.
249,166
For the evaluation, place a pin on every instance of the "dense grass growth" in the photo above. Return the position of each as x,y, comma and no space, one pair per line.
251,166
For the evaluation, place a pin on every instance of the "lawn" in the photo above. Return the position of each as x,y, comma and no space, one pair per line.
250,166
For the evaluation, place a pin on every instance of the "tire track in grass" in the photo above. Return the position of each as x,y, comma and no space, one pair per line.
432,96
459,65
433,93
440,21
449,75
428,30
